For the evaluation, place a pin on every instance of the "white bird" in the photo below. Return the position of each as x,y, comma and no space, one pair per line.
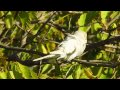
73,46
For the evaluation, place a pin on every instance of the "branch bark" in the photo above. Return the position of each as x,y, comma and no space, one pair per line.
97,63
21,50
89,47
102,43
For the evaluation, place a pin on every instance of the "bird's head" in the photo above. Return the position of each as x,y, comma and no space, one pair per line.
81,34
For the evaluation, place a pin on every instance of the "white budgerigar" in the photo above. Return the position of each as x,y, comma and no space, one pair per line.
73,46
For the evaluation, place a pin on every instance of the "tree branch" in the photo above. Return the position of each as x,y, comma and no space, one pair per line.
21,50
97,63
102,43
89,47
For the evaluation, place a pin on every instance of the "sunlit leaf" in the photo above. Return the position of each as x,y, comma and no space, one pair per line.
16,71
97,26
25,71
9,20
104,15
102,36
43,76
33,74
70,77
2,13
103,76
3,75
24,56
24,17
99,55
77,72
105,56
89,73
11,74
46,68
81,22
99,72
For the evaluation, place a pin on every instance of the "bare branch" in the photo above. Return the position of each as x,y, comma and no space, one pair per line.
102,43
97,63
21,50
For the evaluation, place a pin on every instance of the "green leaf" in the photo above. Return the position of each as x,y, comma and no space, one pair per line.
57,70
70,77
9,20
102,36
84,76
32,15
11,75
24,18
81,22
16,71
99,72
2,13
103,76
90,16
110,71
70,71
33,74
77,72
42,48
24,56
25,71
97,26
50,46
105,56
114,14
14,33
46,68
104,15
43,76
3,75
99,55
89,73
85,20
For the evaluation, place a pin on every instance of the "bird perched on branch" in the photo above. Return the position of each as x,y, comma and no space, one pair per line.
70,48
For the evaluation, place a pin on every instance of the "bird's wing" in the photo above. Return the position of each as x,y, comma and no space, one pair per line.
69,46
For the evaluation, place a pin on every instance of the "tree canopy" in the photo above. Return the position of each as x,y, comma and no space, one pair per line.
26,35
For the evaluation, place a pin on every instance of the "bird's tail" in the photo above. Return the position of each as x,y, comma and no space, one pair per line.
44,57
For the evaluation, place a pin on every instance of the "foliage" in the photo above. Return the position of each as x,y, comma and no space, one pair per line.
24,29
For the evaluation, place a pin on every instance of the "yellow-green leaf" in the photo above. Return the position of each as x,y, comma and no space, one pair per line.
11,75
77,72
3,75
25,71
46,68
